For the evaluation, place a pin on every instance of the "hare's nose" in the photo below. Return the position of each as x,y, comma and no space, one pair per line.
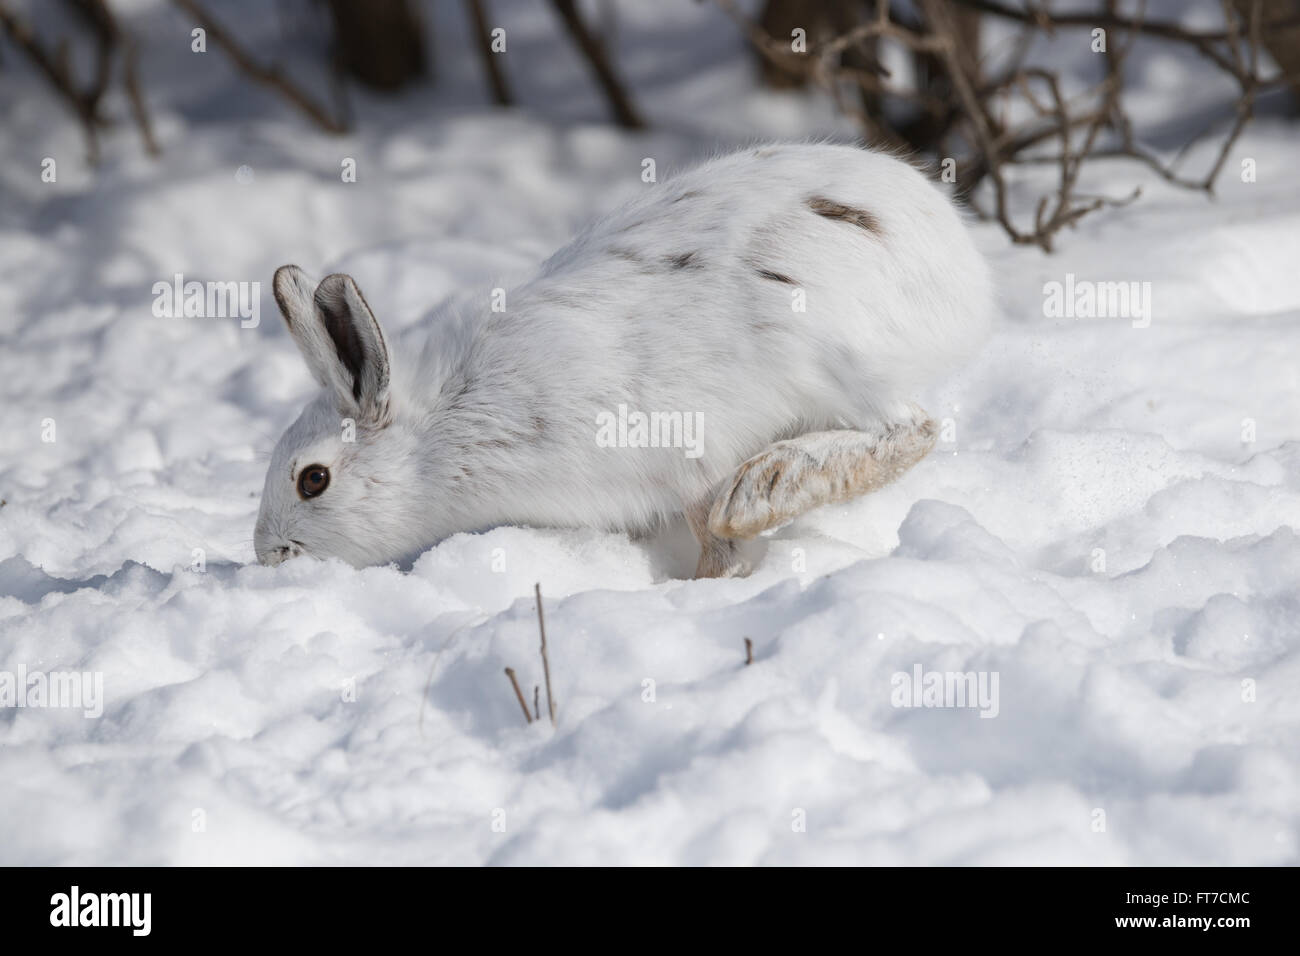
273,556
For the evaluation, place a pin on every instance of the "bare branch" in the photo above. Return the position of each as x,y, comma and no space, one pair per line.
84,103
491,65
138,108
270,76
619,101
1203,41
968,114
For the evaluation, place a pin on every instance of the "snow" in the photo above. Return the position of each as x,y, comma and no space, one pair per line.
1111,529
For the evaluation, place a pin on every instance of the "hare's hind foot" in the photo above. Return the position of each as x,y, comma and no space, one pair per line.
719,557
794,476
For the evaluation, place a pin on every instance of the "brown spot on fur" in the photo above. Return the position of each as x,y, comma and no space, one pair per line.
775,276
682,260
689,194
621,252
771,483
830,209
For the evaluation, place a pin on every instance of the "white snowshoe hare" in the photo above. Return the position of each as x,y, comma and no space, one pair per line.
741,344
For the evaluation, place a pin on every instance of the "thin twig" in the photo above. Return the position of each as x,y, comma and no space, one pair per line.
1201,40
270,76
138,108
624,111
546,662
85,103
510,672
491,62
749,652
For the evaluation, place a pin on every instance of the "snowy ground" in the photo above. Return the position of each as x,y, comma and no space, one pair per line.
1111,530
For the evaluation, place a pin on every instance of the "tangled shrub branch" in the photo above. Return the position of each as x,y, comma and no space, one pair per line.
985,126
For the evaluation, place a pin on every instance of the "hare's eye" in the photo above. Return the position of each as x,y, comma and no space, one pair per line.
313,480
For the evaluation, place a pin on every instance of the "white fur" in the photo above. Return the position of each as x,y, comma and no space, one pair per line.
494,420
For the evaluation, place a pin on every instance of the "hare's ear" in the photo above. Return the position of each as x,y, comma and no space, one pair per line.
339,339
294,293
359,346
